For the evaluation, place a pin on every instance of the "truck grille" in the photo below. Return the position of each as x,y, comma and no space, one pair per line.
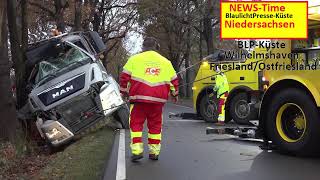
73,112
62,90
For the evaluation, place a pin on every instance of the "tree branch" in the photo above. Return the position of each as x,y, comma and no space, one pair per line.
51,13
113,46
120,6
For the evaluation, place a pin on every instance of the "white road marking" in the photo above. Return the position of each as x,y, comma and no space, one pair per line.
185,120
121,163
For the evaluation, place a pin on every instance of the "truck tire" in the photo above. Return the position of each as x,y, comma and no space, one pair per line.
240,109
122,116
293,123
209,107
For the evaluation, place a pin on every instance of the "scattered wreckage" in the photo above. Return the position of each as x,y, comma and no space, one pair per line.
69,88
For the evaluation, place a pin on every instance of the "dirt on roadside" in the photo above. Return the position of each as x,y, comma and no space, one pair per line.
14,166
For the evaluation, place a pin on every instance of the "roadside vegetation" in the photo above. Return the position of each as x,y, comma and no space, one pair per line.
83,159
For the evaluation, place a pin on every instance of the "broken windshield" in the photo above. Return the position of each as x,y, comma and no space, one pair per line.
64,59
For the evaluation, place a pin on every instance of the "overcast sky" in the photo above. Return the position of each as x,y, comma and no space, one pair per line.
133,42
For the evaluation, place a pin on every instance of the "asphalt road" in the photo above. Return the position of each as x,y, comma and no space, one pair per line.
189,154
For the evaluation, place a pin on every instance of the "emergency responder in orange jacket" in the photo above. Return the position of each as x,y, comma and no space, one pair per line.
222,89
147,78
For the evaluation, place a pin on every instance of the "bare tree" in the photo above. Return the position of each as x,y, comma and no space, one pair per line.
77,15
172,22
113,19
24,25
52,11
8,121
17,51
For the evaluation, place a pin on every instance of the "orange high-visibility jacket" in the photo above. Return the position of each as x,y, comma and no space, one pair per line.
149,77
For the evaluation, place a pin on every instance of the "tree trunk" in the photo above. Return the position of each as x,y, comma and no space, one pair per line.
96,21
208,27
60,21
78,15
60,6
17,53
23,79
24,24
8,121
187,65
96,16
200,44
208,35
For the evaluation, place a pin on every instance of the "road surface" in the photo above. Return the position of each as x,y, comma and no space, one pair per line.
189,154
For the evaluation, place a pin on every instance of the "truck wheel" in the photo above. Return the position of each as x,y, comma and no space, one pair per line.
122,116
240,109
293,123
209,107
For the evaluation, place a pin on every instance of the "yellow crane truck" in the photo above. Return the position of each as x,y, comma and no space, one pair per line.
245,89
289,113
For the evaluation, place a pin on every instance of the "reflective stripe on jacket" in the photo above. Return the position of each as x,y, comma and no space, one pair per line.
221,85
149,77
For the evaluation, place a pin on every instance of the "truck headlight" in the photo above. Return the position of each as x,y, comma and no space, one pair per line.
110,101
52,133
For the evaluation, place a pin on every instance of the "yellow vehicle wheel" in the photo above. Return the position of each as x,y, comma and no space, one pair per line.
293,122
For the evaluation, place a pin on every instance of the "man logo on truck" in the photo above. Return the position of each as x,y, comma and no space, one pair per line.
62,91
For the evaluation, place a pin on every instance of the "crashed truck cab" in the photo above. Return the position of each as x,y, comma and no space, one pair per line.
69,88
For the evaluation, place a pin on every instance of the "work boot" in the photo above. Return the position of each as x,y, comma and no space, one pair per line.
219,123
136,158
153,157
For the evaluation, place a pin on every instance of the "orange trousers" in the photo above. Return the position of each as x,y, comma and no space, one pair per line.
139,112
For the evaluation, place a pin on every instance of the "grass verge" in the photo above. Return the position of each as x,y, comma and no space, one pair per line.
83,160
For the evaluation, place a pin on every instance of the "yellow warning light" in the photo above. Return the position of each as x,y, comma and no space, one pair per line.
205,63
194,88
